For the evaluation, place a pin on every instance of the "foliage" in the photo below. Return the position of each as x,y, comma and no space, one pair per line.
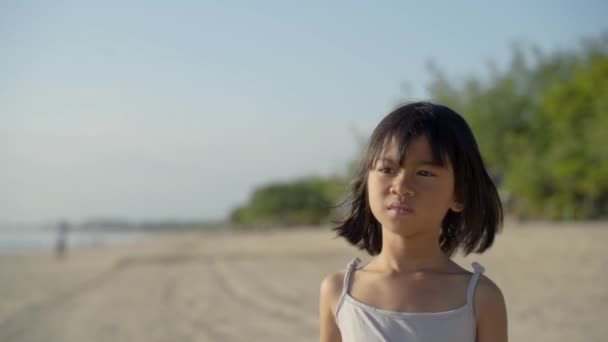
542,127
302,202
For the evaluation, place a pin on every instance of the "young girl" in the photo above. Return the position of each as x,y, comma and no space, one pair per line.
422,193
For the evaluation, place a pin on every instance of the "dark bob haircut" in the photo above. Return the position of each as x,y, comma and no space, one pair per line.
471,230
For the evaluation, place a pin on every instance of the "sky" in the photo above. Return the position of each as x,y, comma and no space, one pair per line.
155,110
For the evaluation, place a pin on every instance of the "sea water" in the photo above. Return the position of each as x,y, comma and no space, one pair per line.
23,239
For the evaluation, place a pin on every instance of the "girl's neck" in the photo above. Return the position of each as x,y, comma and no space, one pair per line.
402,255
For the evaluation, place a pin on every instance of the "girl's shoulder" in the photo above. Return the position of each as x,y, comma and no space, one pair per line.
490,311
486,290
332,284
331,291
487,293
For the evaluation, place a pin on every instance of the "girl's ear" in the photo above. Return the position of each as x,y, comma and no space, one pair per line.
457,206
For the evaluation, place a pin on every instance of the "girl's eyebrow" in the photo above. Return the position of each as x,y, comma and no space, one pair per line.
386,160
431,163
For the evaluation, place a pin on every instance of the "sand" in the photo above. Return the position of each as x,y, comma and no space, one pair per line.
264,286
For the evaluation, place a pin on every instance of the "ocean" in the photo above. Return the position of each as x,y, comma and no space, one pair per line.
23,239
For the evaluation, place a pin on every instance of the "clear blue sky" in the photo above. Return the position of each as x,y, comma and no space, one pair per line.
179,109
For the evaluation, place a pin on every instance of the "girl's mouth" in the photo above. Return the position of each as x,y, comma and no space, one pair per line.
400,209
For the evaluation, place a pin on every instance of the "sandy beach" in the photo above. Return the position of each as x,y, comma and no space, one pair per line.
260,286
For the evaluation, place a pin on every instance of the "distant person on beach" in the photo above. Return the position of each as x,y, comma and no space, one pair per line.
421,194
61,244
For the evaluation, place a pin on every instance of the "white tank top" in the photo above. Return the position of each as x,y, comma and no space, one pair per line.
361,322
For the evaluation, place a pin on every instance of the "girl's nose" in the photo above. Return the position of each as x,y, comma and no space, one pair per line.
402,186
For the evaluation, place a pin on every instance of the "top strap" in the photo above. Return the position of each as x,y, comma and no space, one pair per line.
350,268
474,280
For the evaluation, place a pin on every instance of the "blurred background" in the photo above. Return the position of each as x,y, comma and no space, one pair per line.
168,168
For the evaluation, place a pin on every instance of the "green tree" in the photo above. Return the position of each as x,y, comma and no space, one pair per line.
302,202
541,125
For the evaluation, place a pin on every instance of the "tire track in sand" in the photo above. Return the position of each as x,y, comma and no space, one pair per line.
261,300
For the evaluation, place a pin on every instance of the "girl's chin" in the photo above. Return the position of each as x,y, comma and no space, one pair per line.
393,216
395,224
399,222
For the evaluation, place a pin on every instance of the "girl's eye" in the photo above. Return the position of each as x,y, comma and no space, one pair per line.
425,173
386,170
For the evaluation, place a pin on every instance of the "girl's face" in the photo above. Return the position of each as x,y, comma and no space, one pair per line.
413,197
